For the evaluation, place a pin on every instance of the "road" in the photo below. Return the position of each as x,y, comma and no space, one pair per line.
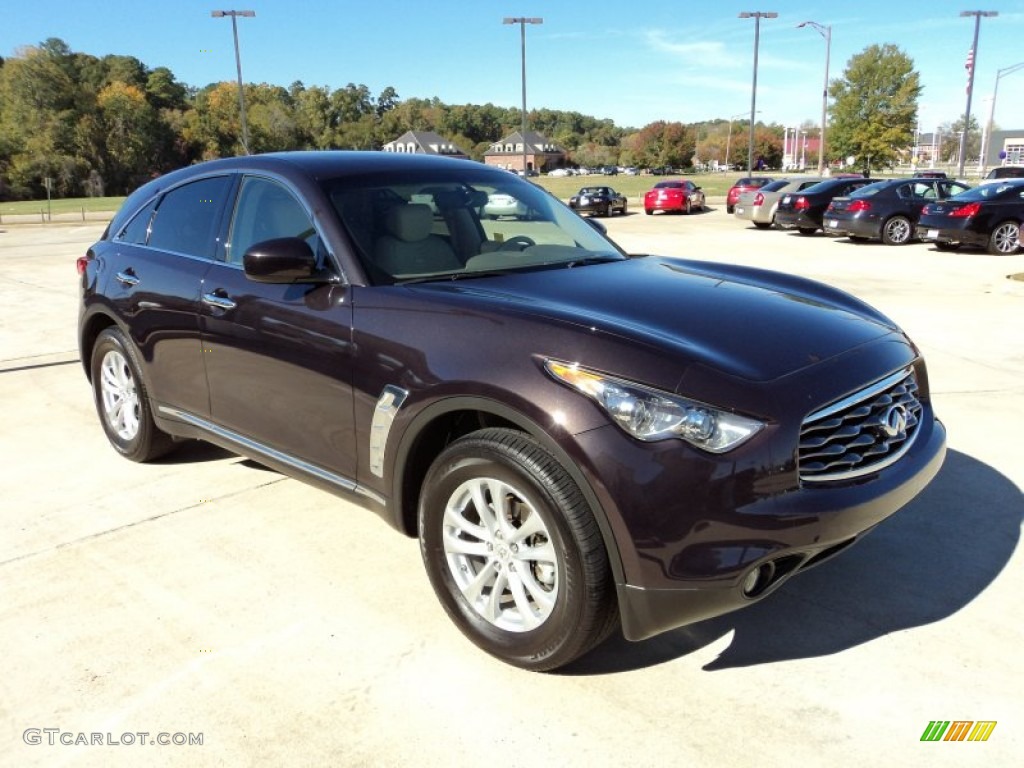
206,597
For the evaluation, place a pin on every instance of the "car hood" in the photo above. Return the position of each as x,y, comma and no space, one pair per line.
754,324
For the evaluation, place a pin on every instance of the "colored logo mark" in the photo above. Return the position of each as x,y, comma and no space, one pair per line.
958,730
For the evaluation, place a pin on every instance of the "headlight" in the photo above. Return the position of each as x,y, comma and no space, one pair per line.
650,414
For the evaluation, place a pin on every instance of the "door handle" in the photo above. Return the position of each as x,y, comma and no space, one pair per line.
127,277
218,299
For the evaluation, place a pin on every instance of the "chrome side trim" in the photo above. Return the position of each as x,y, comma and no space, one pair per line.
271,453
390,400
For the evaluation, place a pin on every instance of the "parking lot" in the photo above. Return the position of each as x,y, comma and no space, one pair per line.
205,595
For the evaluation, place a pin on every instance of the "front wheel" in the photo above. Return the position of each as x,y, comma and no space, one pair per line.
513,551
896,231
1005,239
122,401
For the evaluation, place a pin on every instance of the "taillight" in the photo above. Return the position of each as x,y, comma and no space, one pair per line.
758,199
801,204
82,262
964,211
858,206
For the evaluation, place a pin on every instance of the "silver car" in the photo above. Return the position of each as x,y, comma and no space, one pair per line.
759,205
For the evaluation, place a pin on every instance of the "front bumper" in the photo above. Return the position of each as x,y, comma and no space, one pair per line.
832,520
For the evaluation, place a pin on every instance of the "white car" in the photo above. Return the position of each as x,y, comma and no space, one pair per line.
559,172
499,204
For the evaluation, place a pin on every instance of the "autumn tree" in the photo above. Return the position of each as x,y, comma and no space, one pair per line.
874,107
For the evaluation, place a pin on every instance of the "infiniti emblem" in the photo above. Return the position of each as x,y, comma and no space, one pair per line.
894,421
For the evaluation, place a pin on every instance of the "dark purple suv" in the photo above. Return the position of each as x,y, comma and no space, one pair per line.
580,439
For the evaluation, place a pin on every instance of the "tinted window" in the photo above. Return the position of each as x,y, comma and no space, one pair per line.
186,219
137,230
775,185
265,210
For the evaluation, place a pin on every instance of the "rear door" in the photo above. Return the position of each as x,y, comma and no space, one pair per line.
158,261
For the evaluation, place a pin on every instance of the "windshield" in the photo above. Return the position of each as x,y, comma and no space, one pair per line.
447,224
1005,190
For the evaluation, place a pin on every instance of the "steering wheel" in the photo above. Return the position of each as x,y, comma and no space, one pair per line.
517,242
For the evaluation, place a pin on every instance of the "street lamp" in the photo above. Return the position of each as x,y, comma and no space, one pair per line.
522,21
238,64
987,136
728,141
972,63
756,16
826,32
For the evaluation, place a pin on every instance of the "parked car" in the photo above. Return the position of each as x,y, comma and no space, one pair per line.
682,196
989,216
886,210
581,440
559,172
759,206
745,184
804,211
604,201
1004,172
500,204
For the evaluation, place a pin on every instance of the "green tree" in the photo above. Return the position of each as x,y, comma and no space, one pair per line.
874,107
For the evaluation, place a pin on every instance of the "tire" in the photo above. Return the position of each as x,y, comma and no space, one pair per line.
609,211
897,231
807,230
763,224
1005,239
728,209
122,400
649,211
688,207
557,596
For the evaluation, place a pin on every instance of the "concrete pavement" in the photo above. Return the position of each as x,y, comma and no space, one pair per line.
204,596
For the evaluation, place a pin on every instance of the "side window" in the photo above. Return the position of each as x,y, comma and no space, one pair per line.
186,218
266,210
137,230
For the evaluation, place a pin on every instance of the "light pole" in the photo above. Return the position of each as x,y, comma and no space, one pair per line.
987,137
972,63
522,21
756,16
826,32
238,64
728,141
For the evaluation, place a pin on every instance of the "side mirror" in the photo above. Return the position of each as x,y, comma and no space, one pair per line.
281,260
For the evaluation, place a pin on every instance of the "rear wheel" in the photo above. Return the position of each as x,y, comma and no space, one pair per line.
513,551
896,231
729,209
649,211
122,401
1005,239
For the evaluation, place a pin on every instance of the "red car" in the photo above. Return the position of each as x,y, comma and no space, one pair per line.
680,195
746,184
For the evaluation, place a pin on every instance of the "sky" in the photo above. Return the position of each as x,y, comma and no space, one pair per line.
632,62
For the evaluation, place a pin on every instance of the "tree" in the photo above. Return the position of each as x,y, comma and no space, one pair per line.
952,148
874,107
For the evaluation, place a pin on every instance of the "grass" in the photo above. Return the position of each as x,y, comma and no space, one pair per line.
67,205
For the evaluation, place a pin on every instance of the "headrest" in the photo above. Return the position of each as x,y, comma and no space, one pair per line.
410,222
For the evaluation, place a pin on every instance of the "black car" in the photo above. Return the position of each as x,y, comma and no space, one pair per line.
804,211
989,216
886,210
580,439
598,200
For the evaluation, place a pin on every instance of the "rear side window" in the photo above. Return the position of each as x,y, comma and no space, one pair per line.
187,217
137,230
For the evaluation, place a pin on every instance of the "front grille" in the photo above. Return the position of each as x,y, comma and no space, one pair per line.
862,433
